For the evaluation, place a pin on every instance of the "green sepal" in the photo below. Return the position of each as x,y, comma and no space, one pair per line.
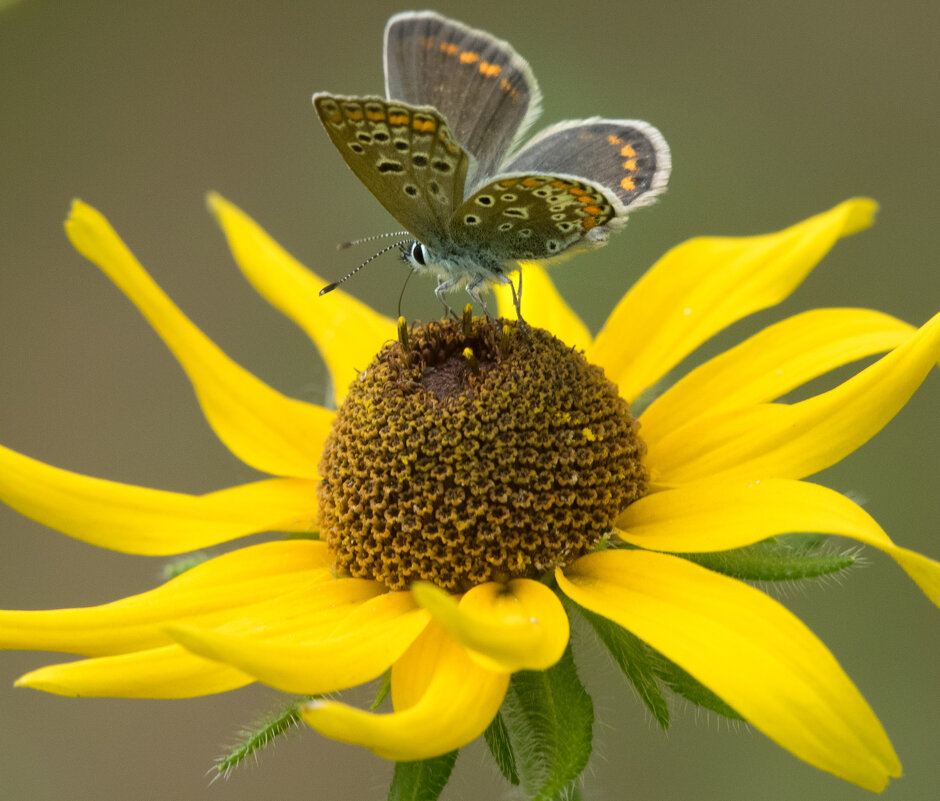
497,740
647,669
257,736
690,688
635,659
180,564
385,687
423,780
786,558
549,719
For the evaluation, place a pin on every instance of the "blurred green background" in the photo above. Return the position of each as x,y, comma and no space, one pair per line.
774,111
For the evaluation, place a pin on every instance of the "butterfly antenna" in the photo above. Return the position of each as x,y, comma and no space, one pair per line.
331,287
344,245
403,287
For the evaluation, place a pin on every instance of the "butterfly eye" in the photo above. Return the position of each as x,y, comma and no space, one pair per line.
418,253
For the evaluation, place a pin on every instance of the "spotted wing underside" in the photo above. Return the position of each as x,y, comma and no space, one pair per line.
628,158
531,217
405,155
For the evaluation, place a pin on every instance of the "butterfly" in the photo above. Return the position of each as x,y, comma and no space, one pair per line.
442,152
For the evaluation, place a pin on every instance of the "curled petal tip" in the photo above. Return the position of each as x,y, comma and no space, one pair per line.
862,212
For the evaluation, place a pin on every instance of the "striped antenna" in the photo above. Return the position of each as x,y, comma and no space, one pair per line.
344,245
331,287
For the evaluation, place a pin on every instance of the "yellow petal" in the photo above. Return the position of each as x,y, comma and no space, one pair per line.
459,702
704,285
173,672
520,625
721,515
316,662
543,307
168,672
792,441
259,425
347,333
209,594
772,362
748,649
146,521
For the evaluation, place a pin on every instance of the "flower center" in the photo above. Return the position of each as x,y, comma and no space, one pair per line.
480,450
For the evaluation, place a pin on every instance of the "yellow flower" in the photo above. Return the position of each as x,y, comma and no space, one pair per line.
723,468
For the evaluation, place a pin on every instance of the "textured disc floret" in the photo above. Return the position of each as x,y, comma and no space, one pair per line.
475,451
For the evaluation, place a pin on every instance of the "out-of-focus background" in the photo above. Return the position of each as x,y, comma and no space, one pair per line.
774,112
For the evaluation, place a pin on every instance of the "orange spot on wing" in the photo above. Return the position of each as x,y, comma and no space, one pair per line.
490,70
507,182
585,199
531,182
355,116
588,223
576,191
398,119
427,42
376,116
559,184
469,58
424,126
627,151
614,140
593,210
630,164
450,48
627,184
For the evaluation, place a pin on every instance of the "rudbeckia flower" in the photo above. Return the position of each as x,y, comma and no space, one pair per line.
479,482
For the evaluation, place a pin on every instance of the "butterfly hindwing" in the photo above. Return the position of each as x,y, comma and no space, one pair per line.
533,216
405,155
628,158
480,85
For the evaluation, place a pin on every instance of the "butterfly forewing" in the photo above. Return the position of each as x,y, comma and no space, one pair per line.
482,87
406,156
531,216
628,158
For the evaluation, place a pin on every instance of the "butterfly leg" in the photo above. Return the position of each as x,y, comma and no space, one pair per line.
517,299
473,290
516,295
442,288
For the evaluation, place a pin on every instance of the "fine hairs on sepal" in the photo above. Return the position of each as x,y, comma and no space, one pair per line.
253,738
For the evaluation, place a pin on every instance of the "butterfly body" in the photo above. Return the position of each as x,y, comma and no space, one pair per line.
441,153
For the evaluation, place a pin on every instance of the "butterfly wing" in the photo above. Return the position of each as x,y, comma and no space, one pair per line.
627,158
483,88
532,216
405,155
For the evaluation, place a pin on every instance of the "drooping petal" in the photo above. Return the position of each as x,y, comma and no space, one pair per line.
520,625
172,671
210,594
719,515
459,701
362,646
704,285
543,307
146,521
168,672
752,652
262,427
775,440
772,362
346,331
